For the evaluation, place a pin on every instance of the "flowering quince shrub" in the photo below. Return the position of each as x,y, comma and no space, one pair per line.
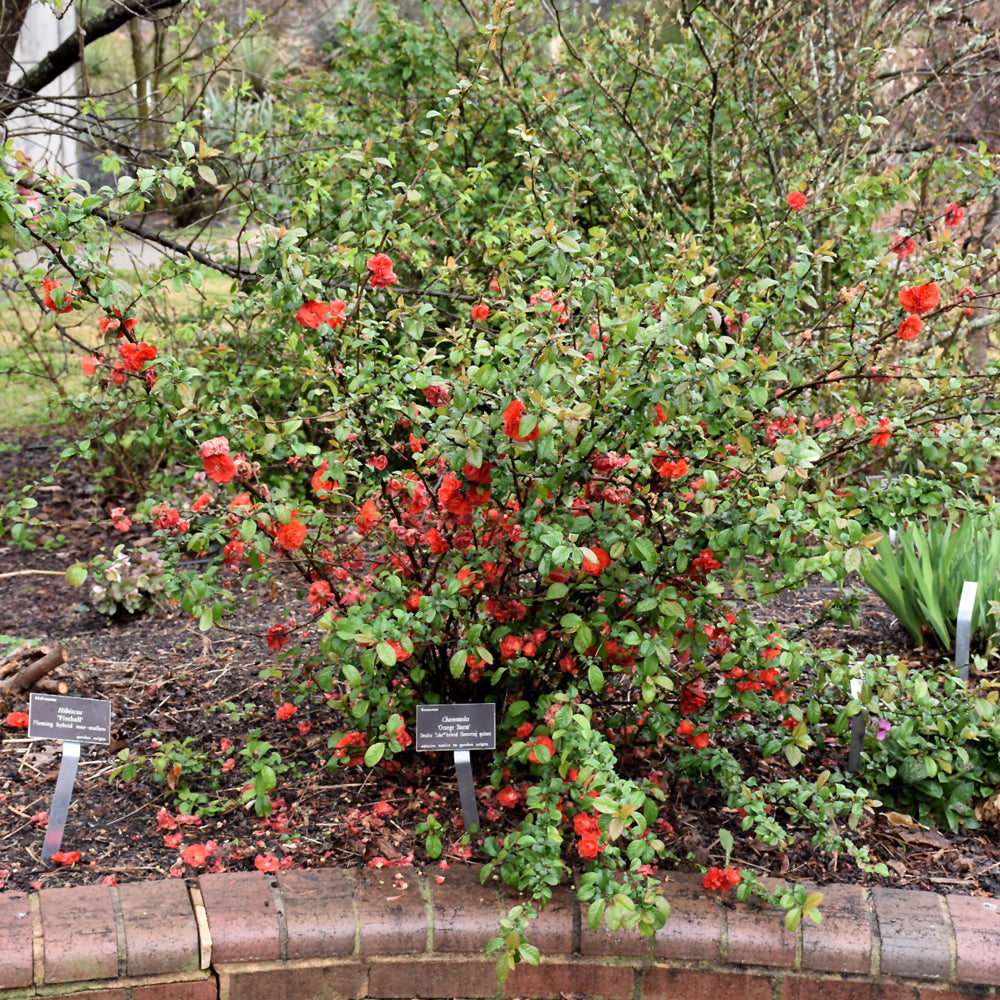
519,416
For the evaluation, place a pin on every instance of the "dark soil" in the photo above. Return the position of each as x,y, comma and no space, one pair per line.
167,681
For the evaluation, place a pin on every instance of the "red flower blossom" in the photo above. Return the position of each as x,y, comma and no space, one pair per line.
89,365
671,470
266,863
480,312
920,299
692,697
320,485
291,536
512,422
451,497
540,741
285,712
436,395
903,247
313,314
17,720
589,847
953,214
120,521
796,201
320,595
277,637
381,268
508,797
49,285
135,355
344,746
219,467
66,857
721,880
909,328
367,517
592,568
881,437
195,855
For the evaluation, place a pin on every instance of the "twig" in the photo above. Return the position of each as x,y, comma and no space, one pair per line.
30,572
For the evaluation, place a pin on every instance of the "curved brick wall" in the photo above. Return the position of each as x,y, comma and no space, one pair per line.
319,935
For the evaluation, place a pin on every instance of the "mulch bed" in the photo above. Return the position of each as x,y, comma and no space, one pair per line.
167,681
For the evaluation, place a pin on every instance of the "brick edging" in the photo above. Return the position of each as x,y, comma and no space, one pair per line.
319,934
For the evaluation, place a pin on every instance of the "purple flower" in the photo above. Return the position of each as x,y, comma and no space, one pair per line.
884,725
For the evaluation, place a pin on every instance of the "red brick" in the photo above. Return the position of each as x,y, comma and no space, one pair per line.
161,933
242,918
605,941
80,938
16,968
466,912
552,931
843,941
393,919
195,989
810,987
915,934
693,929
660,983
757,936
976,923
552,979
314,980
432,977
319,912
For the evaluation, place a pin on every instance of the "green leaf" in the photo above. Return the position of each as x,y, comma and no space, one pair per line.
374,754
76,575
595,678
386,653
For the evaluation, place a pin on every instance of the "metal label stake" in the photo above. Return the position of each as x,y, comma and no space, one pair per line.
963,627
467,790
858,723
73,721
60,801
460,729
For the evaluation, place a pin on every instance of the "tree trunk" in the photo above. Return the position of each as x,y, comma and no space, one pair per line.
12,14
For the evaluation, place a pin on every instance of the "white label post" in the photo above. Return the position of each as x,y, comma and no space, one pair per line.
963,627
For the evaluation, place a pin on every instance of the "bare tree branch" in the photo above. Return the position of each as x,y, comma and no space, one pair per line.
67,54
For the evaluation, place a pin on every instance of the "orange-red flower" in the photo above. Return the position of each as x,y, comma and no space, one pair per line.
920,299
320,485
381,268
512,422
508,797
367,517
66,857
596,567
796,201
195,855
881,437
671,470
291,536
910,328
285,712
721,880
953,214
49,285
17,720
480,312
313,314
